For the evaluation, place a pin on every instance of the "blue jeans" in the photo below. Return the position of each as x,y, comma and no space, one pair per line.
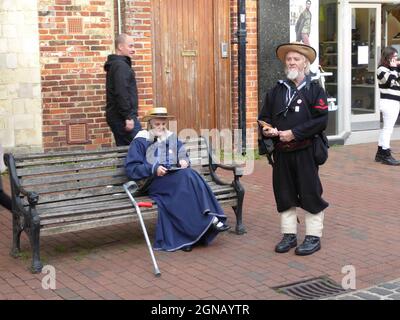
122,137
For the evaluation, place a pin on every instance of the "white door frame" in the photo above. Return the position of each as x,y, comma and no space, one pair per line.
372,117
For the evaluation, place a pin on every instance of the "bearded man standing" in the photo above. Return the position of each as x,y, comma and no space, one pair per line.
296,109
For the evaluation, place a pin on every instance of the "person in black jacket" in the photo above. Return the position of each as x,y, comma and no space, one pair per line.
296,109
122,93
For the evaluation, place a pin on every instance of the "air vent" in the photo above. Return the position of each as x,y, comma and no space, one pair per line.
312,289
75,25
77,132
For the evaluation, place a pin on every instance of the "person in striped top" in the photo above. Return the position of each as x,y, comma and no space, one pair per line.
388,74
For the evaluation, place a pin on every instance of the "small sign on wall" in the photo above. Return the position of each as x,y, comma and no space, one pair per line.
362,55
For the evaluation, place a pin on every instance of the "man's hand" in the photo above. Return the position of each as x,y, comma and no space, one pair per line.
129,124
161,171
286,136
183,163
270,132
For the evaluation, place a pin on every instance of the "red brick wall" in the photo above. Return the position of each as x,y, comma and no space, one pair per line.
72,74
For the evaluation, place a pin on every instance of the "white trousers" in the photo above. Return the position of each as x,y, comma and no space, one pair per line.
314,222
390,112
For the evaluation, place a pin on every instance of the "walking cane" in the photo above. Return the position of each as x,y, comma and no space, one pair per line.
133,184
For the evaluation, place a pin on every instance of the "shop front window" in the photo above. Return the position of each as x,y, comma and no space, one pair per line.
328,52
363,61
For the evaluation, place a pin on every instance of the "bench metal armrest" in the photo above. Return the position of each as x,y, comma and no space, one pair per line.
16,187
237,171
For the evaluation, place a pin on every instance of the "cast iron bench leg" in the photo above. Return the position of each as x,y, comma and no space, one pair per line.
240,229
34,237
17,229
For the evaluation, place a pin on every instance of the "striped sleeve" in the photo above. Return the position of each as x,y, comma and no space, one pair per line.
389,83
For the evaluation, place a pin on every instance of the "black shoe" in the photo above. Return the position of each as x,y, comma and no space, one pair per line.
222,228
388,159
187,248
288,241
309,246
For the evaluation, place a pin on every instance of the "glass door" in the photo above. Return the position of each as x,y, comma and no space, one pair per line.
365,46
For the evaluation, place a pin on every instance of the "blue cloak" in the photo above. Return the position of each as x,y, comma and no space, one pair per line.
186,204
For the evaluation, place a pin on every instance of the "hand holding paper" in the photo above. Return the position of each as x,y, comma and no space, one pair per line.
267,129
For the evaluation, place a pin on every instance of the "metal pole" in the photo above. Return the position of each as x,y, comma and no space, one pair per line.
119,18
242,34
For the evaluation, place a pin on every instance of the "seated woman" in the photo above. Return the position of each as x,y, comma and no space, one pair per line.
188,212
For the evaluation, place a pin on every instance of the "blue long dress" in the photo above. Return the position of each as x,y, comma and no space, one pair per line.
186,204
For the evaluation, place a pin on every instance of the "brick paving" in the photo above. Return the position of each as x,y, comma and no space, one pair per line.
361,229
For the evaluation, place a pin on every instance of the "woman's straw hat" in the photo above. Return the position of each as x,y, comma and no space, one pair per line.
158,112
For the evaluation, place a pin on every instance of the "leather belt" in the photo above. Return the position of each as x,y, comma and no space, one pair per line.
292,145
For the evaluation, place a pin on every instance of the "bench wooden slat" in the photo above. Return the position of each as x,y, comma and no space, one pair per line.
95,216
93,224
67,203
43,179
85,184
101,163
23,157
69,195
88,207
68,167
48,160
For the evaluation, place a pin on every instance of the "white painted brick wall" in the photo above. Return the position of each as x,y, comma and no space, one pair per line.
20,91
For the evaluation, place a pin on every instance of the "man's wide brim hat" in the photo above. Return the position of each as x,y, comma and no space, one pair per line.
305,50
158,112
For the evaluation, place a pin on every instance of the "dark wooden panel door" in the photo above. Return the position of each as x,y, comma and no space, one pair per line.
191,76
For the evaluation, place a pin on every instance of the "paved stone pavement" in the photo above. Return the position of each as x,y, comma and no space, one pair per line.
385,291
361,230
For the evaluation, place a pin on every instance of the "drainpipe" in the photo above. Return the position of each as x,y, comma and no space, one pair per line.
241,34
119,17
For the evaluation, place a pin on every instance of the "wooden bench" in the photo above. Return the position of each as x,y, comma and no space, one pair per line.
72,191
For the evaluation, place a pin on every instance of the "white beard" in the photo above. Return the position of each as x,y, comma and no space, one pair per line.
160,135
292,74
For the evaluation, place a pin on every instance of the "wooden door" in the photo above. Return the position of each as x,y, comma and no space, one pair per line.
191,75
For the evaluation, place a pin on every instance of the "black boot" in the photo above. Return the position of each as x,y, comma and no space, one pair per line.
288,241
388,159
379,154
309,246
